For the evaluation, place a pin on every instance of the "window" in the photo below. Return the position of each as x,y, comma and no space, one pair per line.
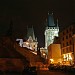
63,38
69,35
63,33
67,44
70,42
66,37
63,44
67,30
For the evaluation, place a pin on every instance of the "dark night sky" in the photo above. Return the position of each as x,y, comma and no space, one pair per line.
25,13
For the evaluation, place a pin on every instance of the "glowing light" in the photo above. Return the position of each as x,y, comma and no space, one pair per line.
51,60
64,56
27,43
56,32
67,57
44,54
70,57
34,52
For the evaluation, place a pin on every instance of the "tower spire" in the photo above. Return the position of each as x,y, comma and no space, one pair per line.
57,22
33,33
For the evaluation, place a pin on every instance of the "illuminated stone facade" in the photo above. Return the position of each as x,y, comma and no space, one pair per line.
51,30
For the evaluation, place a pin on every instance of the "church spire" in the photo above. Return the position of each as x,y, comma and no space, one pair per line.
33,33
30,32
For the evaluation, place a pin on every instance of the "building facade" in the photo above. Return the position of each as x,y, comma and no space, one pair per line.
51,30
67,45
54,54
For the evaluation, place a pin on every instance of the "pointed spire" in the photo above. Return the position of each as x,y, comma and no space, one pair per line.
57,22
32,27
36,39
33,33
30,32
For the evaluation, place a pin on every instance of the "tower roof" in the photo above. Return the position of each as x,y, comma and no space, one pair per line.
50,20
30,32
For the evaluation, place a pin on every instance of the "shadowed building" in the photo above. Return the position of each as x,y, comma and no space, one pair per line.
10,59
67,40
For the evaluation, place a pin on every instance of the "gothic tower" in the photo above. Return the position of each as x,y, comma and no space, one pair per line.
31,42
51,30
